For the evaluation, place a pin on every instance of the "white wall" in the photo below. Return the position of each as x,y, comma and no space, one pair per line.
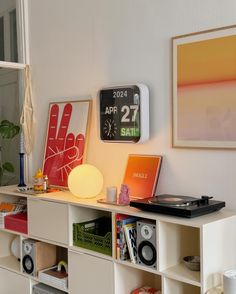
79,46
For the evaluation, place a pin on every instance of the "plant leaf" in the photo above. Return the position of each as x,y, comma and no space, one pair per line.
5,122
8,167
8,130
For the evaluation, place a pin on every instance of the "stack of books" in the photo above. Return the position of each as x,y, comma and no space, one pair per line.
126,237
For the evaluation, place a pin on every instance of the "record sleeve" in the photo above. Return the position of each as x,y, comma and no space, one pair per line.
141,175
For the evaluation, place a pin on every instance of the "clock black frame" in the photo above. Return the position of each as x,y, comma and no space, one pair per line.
120,114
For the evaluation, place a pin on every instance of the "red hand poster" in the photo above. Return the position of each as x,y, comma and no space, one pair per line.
65,139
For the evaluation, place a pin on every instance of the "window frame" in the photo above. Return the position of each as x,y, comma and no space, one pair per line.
23,56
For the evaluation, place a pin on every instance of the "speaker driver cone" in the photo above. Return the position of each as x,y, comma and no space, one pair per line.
28,264
147,253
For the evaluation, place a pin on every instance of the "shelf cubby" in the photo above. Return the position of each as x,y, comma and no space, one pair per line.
175,242
7,259
90,229
129,278
178,287
61,255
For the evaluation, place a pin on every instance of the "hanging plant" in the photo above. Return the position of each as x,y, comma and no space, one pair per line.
8,130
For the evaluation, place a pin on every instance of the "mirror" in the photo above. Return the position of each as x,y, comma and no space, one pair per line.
11,98
8,31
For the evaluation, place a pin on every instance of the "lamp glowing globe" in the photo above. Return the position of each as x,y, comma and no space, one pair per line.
85,181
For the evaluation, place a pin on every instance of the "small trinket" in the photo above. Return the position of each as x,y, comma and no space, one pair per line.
124,194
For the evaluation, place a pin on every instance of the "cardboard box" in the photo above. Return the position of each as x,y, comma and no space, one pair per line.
17,222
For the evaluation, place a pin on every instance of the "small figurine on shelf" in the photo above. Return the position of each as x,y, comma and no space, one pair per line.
124,195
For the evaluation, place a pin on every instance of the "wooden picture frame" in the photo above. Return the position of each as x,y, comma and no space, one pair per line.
204,89
66,139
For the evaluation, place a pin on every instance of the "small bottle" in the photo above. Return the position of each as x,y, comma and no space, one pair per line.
45,183
38,180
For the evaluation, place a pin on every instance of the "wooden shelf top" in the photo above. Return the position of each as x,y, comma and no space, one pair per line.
67,198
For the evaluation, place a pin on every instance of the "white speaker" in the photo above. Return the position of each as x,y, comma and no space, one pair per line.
37,255
146,243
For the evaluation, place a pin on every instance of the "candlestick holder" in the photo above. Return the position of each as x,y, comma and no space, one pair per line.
22,177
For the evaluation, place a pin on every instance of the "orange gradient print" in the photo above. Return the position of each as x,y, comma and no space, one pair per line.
208,61
141,175
205,90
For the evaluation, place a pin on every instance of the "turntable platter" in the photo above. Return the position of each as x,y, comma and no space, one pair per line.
169,200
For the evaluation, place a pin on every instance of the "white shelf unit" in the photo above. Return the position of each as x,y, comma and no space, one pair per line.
51,217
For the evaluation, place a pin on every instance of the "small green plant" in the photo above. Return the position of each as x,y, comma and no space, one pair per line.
8,131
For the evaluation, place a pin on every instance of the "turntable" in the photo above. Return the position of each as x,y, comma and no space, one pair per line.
184,206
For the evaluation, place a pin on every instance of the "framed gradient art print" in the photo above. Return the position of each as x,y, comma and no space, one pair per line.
204,89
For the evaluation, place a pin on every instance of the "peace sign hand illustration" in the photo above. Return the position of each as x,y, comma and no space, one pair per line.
63,151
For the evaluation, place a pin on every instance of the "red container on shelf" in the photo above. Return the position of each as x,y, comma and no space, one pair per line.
17,222
145,289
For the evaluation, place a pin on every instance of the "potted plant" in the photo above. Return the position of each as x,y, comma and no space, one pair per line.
8,131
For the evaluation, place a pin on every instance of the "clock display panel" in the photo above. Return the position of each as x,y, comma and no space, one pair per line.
120,114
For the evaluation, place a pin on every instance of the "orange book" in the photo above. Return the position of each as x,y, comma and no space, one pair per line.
141,174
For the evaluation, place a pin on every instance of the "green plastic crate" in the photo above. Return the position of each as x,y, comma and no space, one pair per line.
94,235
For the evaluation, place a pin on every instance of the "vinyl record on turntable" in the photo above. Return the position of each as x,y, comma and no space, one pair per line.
172,200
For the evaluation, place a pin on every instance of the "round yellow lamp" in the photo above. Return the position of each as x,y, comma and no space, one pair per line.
85,181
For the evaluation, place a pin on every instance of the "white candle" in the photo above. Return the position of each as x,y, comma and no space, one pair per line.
21,143
111,195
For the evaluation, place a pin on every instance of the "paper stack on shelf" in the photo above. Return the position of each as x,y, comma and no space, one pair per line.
54,277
